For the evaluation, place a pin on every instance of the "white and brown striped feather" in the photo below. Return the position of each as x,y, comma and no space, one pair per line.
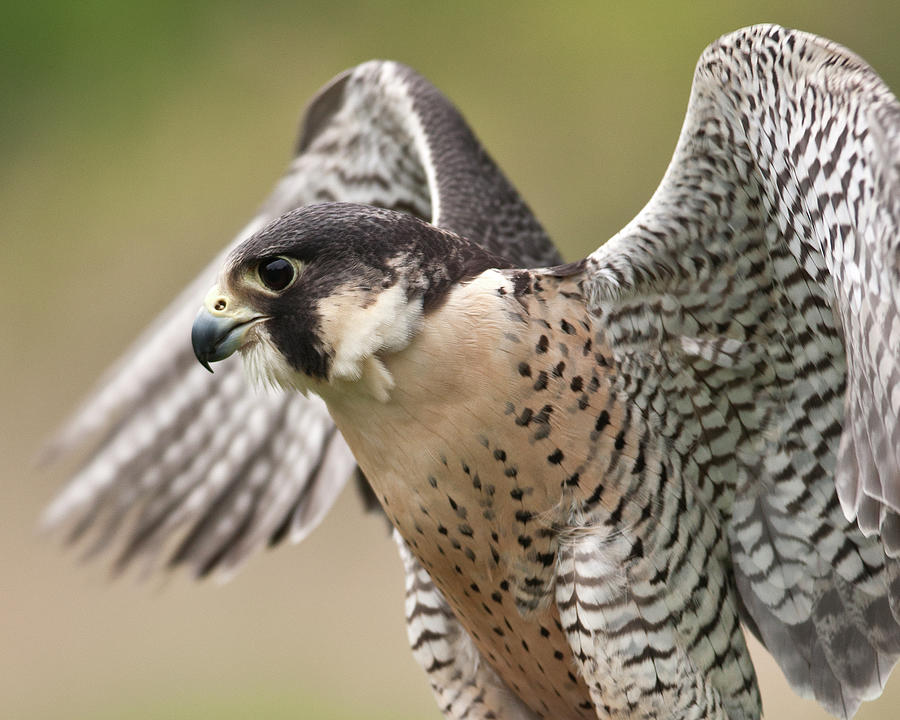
758,294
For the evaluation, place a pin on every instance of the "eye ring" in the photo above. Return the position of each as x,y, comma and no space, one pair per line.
276,273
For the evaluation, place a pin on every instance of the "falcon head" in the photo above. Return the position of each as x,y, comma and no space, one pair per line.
318,297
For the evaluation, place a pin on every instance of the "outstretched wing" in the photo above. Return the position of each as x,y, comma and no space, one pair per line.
753,308
202,468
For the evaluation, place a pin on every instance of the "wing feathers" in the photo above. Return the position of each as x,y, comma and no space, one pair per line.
777,228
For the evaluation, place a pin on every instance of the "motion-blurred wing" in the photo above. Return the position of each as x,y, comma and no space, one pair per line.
202,468
754,311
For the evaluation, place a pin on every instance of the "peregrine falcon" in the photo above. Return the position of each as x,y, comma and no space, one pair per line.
596,471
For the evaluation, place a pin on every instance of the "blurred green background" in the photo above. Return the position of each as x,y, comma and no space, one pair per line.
136,138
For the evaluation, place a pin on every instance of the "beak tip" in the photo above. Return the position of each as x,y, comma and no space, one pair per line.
202,358
216,337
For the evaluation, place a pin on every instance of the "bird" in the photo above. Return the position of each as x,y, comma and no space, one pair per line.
596,472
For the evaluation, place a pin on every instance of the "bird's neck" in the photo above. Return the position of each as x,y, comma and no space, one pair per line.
453,360
508,348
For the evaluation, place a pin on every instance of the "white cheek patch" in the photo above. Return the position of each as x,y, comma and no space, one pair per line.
356,331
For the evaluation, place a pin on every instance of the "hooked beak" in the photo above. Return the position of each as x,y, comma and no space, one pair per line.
220,327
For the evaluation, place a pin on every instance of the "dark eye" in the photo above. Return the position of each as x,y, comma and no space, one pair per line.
276,273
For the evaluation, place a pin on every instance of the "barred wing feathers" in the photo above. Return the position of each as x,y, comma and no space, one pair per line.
758,294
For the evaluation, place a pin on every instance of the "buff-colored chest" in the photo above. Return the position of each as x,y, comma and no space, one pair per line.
474,465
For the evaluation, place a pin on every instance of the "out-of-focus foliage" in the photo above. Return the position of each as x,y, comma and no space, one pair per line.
136,138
